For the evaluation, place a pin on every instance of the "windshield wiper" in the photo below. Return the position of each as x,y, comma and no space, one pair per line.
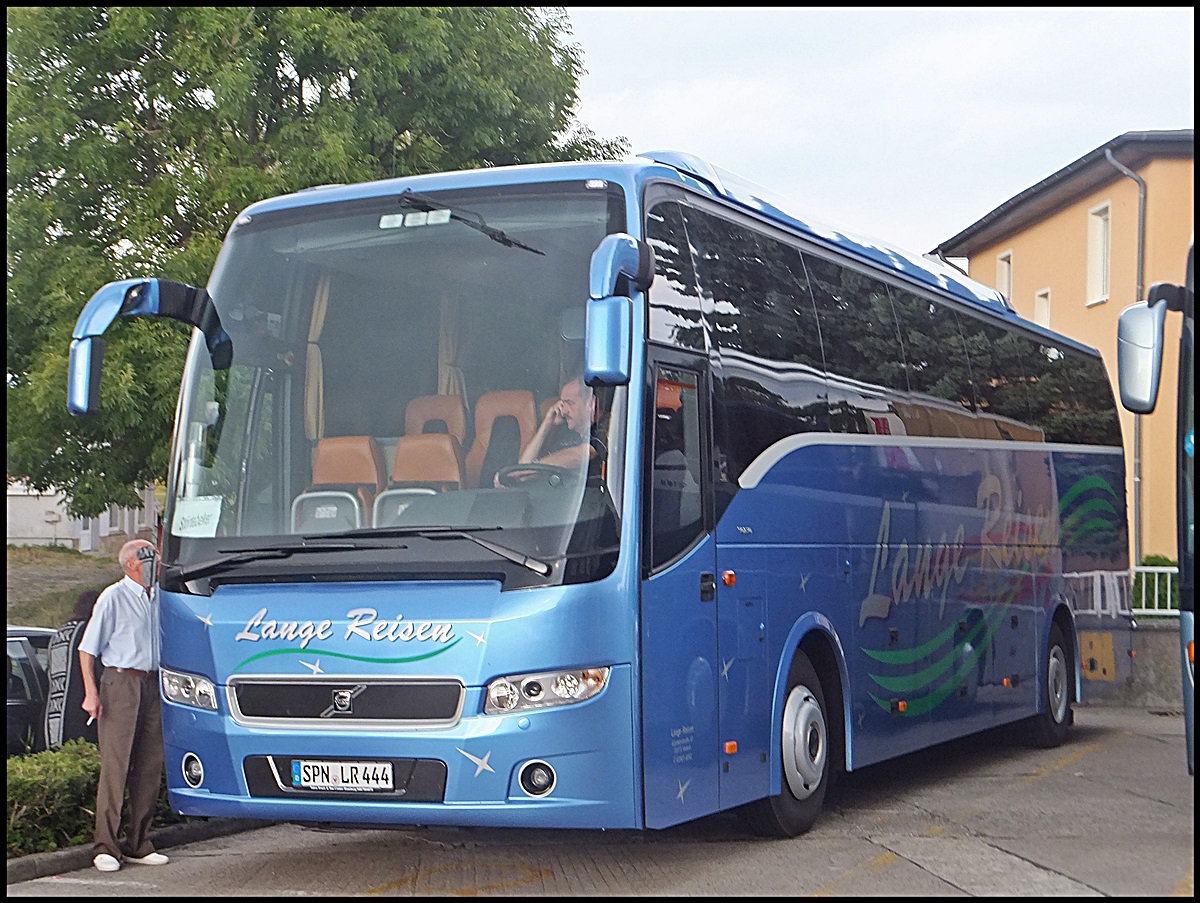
540,568
410,198
216,565
243,556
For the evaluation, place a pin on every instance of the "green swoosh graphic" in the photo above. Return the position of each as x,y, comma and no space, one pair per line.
1087,508
355,658
1082,486
1091,526
908,656
906,683
925,704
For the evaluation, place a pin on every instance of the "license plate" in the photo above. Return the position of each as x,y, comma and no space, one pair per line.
317,774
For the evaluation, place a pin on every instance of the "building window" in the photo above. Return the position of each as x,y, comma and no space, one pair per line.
1099,253
1004,274
1041,308
143,513
114,519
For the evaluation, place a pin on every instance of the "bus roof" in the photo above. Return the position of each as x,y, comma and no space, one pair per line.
695,173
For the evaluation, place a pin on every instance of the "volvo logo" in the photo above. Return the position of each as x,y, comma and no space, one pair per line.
343,701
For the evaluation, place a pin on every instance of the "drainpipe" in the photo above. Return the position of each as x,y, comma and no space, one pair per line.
1137,418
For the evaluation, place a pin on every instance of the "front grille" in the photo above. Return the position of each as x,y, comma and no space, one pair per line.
339,701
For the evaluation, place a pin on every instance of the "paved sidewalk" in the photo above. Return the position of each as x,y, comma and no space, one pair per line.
39,865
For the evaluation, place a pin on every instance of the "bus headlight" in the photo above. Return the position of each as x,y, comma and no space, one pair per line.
189,689
520,692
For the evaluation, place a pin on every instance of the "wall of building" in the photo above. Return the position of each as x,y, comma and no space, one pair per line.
1052,254
40,519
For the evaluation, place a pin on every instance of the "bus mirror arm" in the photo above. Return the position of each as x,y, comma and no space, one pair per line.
1174,295
132,298
619,255
194,306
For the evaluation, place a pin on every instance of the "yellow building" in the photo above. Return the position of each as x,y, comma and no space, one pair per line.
1077,248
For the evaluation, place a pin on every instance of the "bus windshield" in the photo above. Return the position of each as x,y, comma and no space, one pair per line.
392,358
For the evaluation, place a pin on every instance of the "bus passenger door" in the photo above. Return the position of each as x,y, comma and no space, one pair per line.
679,613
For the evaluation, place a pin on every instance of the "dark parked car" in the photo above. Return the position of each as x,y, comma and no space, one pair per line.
28,687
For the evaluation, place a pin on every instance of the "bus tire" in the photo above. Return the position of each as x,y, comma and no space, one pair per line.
1049,728
805,760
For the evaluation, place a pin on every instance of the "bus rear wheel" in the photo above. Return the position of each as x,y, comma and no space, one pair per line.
1049,729
805,765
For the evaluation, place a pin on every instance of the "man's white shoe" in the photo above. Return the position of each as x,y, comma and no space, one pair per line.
149,859
106,863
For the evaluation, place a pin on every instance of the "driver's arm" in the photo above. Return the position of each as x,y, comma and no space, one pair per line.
552,419
571,458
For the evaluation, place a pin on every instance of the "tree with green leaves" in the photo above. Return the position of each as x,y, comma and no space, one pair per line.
136,134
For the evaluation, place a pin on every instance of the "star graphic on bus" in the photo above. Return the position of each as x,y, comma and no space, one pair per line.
481,763
725,669
479,640
804,583
206,620
683,786
314,667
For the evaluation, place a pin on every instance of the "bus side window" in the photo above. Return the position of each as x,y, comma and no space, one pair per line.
676,512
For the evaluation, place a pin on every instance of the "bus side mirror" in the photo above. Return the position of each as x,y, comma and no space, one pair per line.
136,298
1139,355
83,375
608,341
608,333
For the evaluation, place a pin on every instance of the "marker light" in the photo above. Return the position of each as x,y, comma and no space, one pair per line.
544,689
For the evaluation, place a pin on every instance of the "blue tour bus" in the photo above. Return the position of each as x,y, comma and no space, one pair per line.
1140,348
838,503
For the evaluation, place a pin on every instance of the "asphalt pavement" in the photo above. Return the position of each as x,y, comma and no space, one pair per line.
1107,814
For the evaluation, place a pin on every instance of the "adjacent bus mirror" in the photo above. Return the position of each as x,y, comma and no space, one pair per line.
136,298
1139,355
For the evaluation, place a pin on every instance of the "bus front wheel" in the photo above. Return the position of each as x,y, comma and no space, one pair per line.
805,762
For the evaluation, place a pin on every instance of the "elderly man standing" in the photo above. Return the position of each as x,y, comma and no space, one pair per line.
123,632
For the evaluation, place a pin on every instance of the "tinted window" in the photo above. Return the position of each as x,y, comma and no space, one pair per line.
935,358
770,383
674,303
998,376
860,343
676,512
1070,396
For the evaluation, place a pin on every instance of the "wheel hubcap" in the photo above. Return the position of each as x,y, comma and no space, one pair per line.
804,743
1056,684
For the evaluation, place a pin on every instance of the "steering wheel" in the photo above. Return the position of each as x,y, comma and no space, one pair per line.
514,475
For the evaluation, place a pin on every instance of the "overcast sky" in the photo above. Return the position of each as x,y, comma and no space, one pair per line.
905,124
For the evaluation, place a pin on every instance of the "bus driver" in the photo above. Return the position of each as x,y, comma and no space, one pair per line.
569,435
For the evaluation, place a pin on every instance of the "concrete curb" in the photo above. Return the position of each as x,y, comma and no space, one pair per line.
55,862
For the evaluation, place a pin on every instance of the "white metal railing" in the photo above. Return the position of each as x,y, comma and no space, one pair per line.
1154,590
1101,593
